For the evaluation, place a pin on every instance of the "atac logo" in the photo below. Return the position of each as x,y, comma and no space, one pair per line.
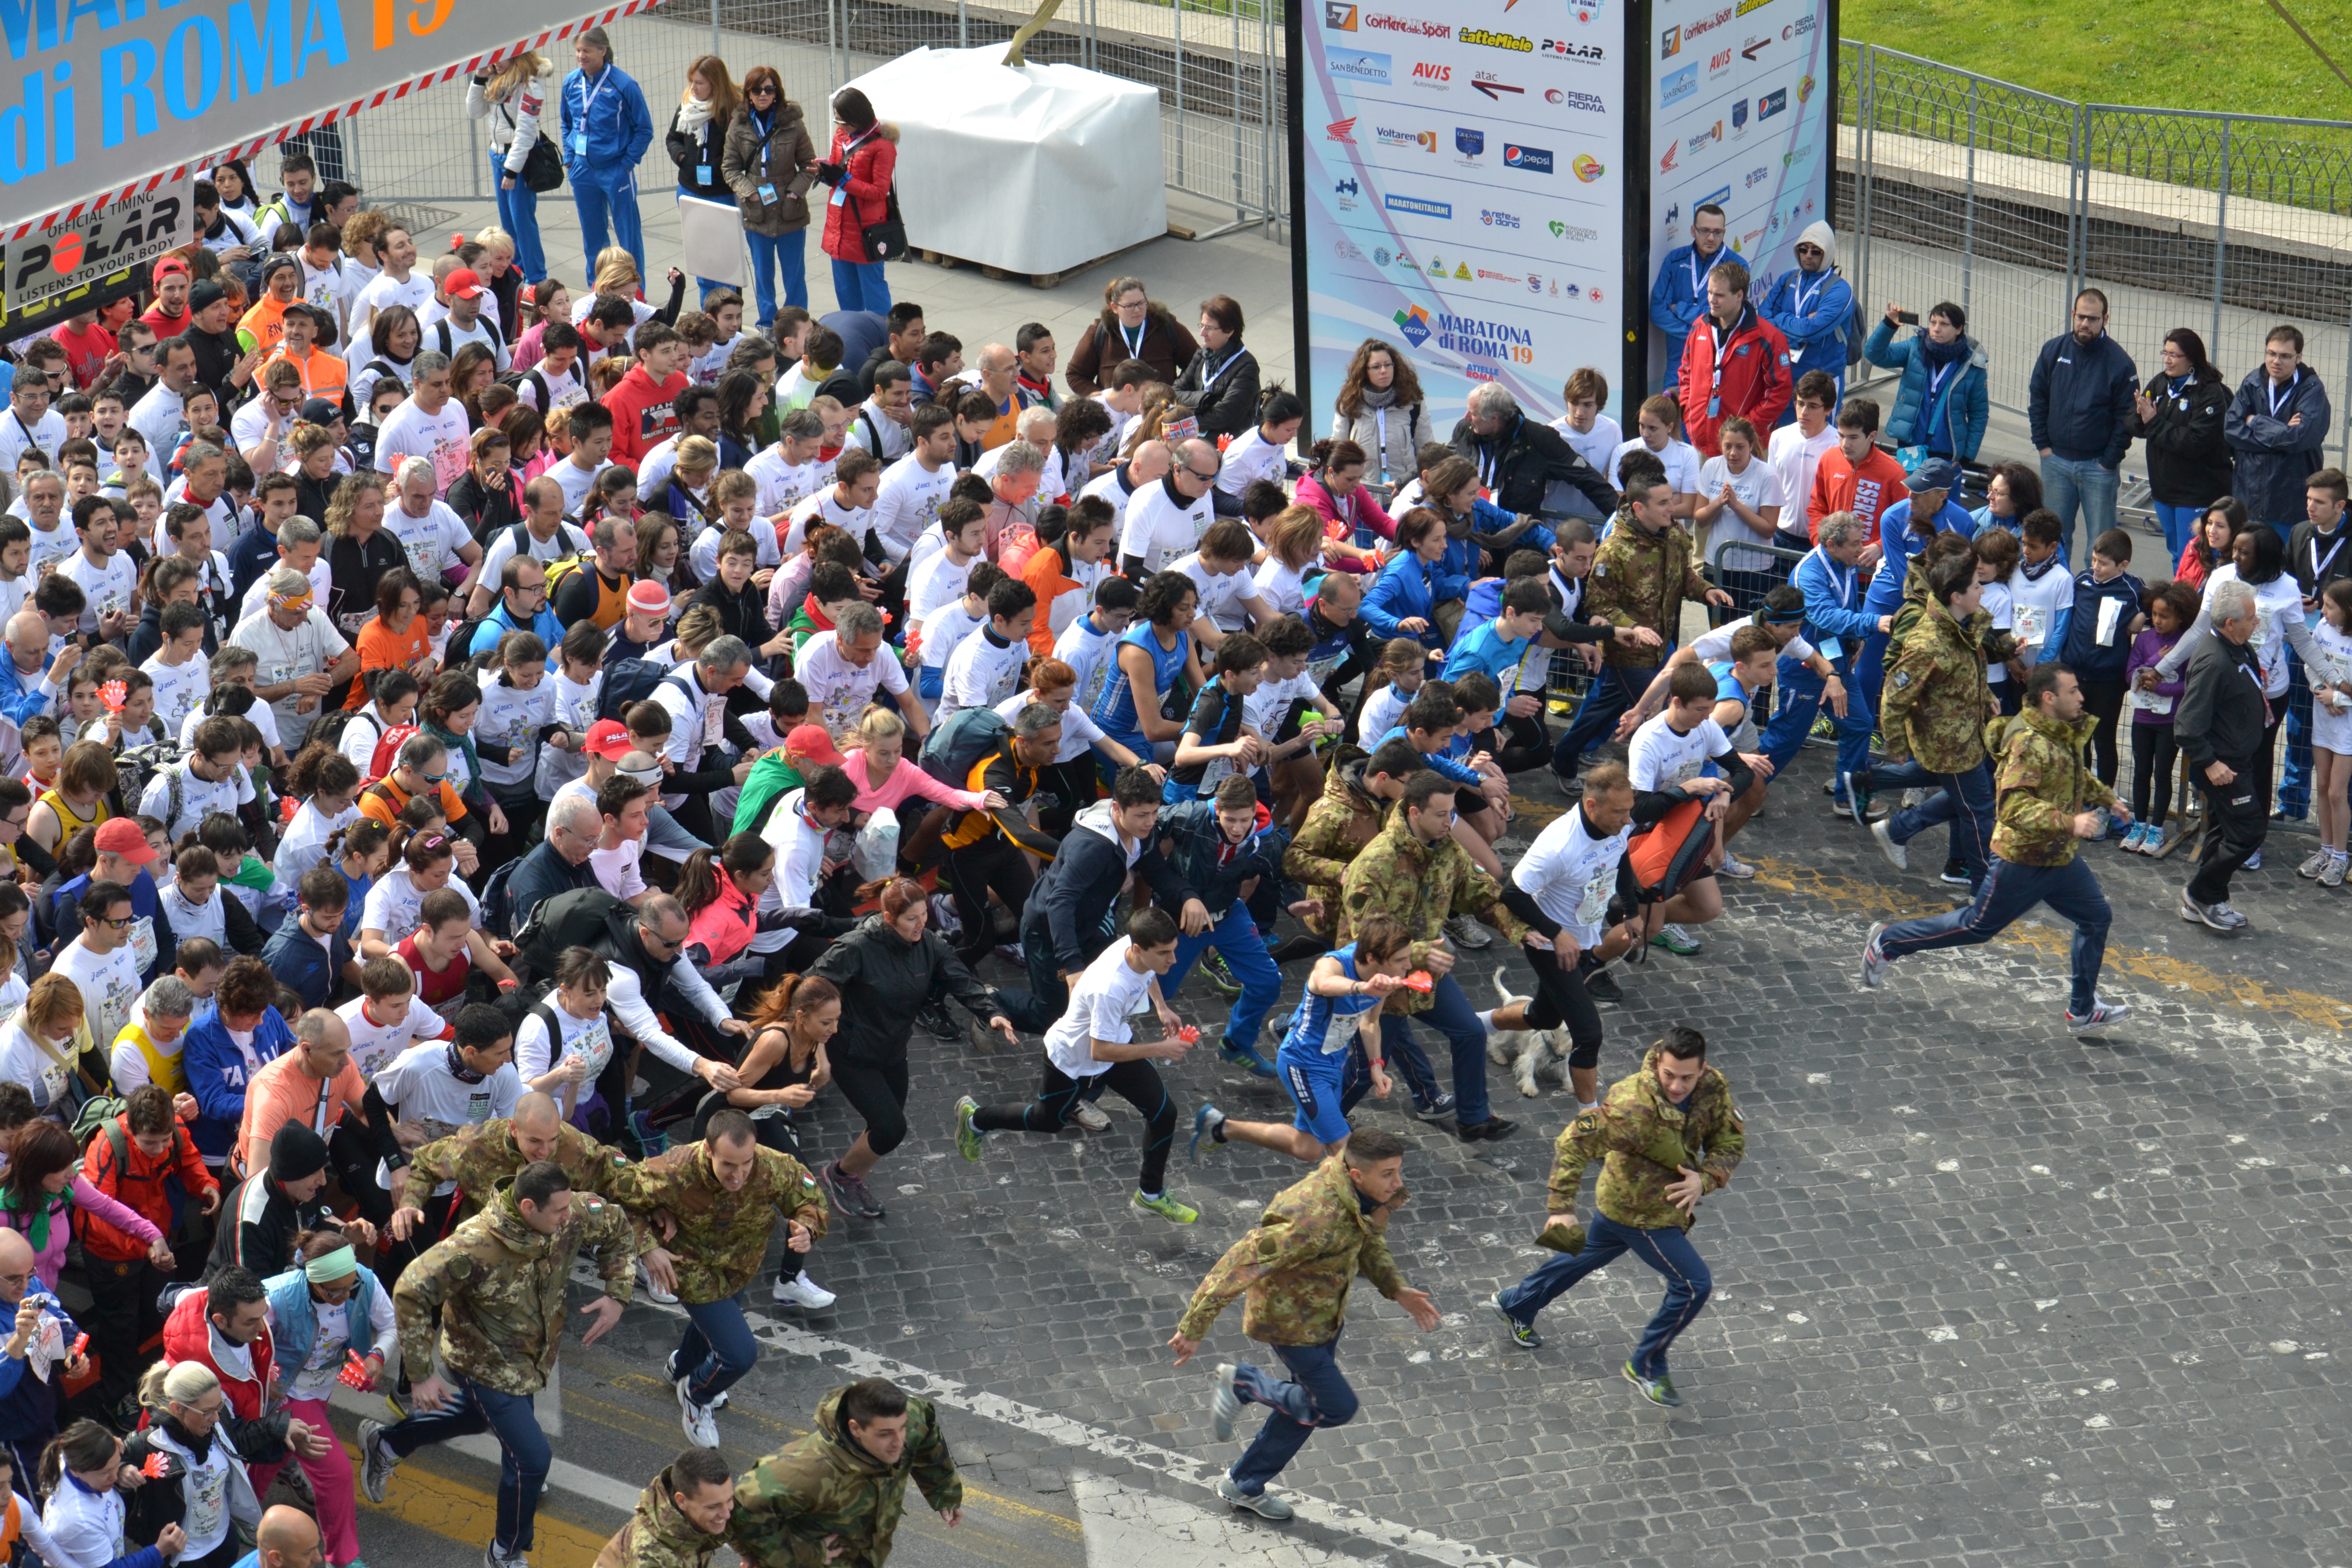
1413,322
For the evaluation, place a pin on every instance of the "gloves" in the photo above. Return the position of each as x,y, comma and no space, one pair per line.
799,916
832,174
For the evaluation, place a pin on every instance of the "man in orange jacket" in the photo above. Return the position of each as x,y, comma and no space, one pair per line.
145,1161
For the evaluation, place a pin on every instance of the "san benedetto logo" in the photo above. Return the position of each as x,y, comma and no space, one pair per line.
1496,40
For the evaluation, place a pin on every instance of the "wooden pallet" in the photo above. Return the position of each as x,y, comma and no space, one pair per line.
1036,280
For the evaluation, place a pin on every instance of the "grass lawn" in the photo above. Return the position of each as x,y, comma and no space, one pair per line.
2170,54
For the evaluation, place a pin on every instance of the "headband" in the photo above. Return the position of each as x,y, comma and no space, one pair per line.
290,601
1767,617
339,1264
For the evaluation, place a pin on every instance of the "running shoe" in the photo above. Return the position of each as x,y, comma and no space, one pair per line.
1089,1116
2219,917
1956,874
1522,1335
2334,876
1437,1110
1167,1209
1736,868
1676,941
801,1292
1266,1505
653,1293
1658,1390
1224,1403
1494,1127
1899,855
941,1025
1465,932
968,1138
1601,986
1205,1123
1242,1057
2107,822
376,1462
1825,728
2255,861
1874,962
849,1194
1219,973
700,1426
2102,1014
2314,863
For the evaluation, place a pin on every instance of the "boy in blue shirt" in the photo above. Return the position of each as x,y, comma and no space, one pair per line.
2095,636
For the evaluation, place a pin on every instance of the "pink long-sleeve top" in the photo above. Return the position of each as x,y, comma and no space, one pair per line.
906,779
51,1259
1349,518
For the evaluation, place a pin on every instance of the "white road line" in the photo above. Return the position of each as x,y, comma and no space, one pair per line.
602,1490
1125,1526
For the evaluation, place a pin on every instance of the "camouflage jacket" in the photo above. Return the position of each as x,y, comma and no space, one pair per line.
1337,826
498,1289
1640,579
658,1535
722,1237
823,1484
478,1158
1312,1241
1644,1141
2039,782
1421,884
1999,645
1936,697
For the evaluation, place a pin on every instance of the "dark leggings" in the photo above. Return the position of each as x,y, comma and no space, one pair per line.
2153,753
1560,997
2266,759
1517,744
2104,701
995,865
1136,1082
878,1092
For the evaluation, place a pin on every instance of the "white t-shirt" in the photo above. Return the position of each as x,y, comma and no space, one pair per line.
513,719
1098,1007
52,544
1597,446
589,1038
418,1085
1264,709
564,388
432,540
47,433
1220,592
156,416
1715,646
1758,484
481,331
1107,486
109,985
946,631
376,1045
1661,759
1383,712
198,798
1571,873
22,1061
2034,603
575,482
573,706
359,735
409,432
1793,456
1250,456
1078,730
1088,650
1680,457
1281,585
264,719
391,904
368,367
875,431
784,486
936,582
382,292
838,690
103,588
313,646
982,673
616,868
567,540
1163,531
908,502
304,844
2002,606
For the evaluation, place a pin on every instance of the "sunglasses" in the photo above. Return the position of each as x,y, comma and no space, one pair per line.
117,924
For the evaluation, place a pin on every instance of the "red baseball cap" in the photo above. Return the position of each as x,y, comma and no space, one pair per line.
120,836
463,284
815,742
609,739
170,266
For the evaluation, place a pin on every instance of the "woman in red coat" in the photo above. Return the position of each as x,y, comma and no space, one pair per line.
864,157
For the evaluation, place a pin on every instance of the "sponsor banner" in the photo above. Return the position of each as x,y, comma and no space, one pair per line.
1463,191
97,258
1739,119
109,99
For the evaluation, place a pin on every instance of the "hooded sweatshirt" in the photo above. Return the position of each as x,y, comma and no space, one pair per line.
643,412
1073,900
1815,310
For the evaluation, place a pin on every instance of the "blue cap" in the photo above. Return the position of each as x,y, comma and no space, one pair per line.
1934,474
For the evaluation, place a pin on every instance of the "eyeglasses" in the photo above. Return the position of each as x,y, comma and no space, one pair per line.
1197,474
116,924
762,91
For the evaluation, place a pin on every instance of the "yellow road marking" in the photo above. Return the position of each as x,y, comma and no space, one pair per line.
468,1515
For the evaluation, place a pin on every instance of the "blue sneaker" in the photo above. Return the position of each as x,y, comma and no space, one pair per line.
1243,1057
1205,1123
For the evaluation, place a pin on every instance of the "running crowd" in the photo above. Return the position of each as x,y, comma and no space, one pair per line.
471,795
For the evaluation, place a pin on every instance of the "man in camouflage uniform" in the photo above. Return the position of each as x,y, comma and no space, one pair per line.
717,1202
2049,800
1932,714
478,1158
1666,1137
833,1498
1644,571
497,1287
1312,1241
1415,872
680,1519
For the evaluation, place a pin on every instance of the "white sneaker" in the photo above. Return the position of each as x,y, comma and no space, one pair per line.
1090,1116
701,1427
801,1291
1735,867
1467,931
652,1291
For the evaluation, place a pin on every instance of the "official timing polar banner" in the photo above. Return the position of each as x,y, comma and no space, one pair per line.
1463,192
1744,92
99,257
102,99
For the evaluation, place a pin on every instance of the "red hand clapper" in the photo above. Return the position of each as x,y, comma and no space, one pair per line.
158,1465
355,1374
1189,1035
81,1343
1419,980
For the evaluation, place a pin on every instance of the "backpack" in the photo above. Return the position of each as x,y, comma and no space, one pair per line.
559,570
136,766
1672,854
498,905
969,734
576,543
98,1114
1853,332
577,918
387,751
449,338
331,728
628,683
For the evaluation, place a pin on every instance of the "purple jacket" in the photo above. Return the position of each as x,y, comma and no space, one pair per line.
2147,648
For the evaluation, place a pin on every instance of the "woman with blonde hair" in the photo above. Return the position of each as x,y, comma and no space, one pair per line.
874,755
204,1488
510,99
1294,541
616,276
698,139
40,1049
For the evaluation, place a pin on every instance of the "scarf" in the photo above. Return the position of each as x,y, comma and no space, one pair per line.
459,1070
693,115
2034,573
1380,396
1041,391
199,1449
1936,356
35,1223
460,743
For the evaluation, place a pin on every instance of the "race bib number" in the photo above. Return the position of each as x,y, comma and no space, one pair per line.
142,943
450,459
594,1047
2033,625
1592,907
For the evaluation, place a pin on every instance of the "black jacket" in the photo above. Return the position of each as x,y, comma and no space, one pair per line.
256,1225
1525,459
694,157
1075,903
885,981
1224,398
486,509
2223,715
2189,463
874,362
542,874
2317,561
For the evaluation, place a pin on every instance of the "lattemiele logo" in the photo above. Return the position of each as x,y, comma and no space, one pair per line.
1419,206
1338,15
1475,338
1413,322
1498,220
1530,160
1698,28
1389,136
1341,130
1669,42
1382,22
1747,5
1357,65
1588,168
1425,73
1576,54
1805,90
1493,40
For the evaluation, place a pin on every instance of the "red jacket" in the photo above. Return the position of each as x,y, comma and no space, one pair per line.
187,1336
868,184
139,1187
1866,491
645,413
1755,380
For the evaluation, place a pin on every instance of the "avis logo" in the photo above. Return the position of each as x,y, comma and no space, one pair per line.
1427,75
1413,322
1341,130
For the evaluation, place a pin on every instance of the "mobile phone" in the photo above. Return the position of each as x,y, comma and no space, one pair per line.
1909,318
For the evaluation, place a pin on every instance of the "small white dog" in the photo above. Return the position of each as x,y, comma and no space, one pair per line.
1531,1053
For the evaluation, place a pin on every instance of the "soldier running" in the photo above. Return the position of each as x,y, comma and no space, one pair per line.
681,1517
834,1496
478,1158
1312,1241
496,1286
1667,1136
722,1197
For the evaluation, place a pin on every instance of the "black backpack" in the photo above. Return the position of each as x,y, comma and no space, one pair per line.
628,683
579,918
969,734
498,905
